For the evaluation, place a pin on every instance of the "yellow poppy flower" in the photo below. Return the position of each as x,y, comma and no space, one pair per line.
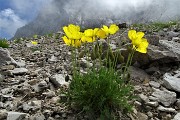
133,35
34,42
140,44
111,30
89,35
72,31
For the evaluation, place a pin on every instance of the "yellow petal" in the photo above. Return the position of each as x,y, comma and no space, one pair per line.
132,34
141,50
77,43
140,35
142,47
89,32
86,39
34,42
144,42
67,32
136,42
77,35
72,28
66,40
105,29
72,31
83,39
101,34
113,29
95,30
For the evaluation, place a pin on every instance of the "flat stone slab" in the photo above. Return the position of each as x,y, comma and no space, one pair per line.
15,116
171,45
19,71
172,81
165,97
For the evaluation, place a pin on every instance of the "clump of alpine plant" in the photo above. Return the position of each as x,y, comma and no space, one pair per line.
101,91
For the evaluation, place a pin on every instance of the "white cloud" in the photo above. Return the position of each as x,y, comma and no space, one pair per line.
28,7
10,21
20,13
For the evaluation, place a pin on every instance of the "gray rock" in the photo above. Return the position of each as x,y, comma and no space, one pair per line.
153,104
36,103
16,116
142,116
165,109
84,63
138,89
30,45
43,84
137,103
152,98
38,116
33,105
49,94
150,114
178,103
171,45
144,98
154,84
52,59
153,39
19,71
138,74
172,34
176,117
3,114
27,106
58,80
152,70
165,97
55,99
7,67
1,105
21,63
167,117
113,46
172,81
176,39
160,54
51,118
5,57
6,91
1,78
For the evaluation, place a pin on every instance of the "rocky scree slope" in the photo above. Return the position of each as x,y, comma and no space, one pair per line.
31,76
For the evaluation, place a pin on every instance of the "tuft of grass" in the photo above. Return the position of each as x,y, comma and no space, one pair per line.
155,26
35,36
4,43
100,93
50,35
18,40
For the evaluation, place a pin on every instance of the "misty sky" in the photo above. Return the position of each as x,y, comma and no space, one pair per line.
16,13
